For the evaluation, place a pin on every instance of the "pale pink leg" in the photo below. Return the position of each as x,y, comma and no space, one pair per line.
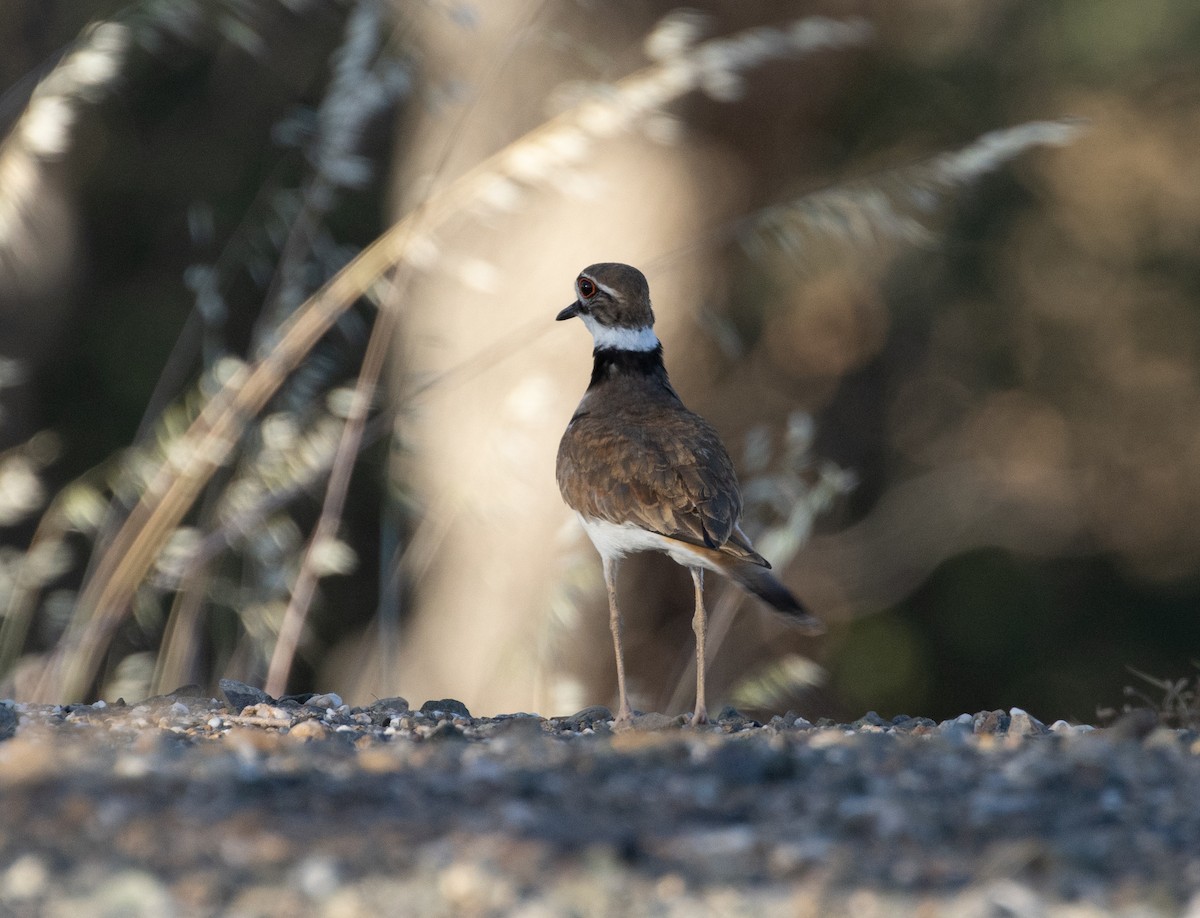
700,626
614,622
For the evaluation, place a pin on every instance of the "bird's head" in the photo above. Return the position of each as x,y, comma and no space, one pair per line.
613,300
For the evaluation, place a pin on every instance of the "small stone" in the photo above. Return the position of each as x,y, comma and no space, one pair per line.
324,702
1021,723
444,730
653,721
8,721
588,717
730,714
26,878
917,726
870,719
992,722
317,876
240,695
308,730
957,729
296,700
446,706
268,712
185,700
517,727
396,705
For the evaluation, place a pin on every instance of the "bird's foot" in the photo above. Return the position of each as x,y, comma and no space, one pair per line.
699,716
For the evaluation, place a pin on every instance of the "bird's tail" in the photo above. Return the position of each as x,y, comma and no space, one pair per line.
759,581
740,563
754,576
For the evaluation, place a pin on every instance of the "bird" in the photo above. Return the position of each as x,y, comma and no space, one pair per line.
643,473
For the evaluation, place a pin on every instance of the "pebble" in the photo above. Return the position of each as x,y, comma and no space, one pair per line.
1022,724
517,729
329,701
26,878
308,730
390,706
241,696
959,729
268,712
992,722
588,717
652,720
9,720
317,876
870,719
446,706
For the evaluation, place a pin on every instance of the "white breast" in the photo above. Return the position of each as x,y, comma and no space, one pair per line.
616,540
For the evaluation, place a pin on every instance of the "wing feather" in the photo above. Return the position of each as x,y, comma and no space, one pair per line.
673,477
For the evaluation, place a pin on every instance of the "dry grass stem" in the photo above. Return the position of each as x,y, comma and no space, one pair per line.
878,213
325,530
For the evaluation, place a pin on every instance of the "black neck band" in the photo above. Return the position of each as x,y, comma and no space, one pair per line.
608,361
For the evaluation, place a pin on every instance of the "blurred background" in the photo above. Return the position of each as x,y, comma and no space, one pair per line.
929,267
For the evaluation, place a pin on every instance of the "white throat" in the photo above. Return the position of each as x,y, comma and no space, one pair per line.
621,339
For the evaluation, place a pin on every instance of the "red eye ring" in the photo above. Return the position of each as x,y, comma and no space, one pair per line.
587,289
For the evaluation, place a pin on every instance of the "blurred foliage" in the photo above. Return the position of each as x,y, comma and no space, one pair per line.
1003,353
1175,702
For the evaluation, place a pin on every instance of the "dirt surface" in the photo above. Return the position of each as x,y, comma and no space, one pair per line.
186,805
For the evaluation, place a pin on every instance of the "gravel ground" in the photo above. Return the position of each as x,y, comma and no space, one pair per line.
186,805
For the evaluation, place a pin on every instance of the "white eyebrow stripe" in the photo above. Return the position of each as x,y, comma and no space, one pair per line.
607,289
621,339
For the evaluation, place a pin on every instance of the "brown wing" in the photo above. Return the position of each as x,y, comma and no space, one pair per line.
673,477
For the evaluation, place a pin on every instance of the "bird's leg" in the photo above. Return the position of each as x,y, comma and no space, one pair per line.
614,622
700,626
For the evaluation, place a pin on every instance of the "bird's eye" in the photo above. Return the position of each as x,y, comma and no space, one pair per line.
587,289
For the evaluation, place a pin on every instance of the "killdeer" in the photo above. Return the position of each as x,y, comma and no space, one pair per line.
645,474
